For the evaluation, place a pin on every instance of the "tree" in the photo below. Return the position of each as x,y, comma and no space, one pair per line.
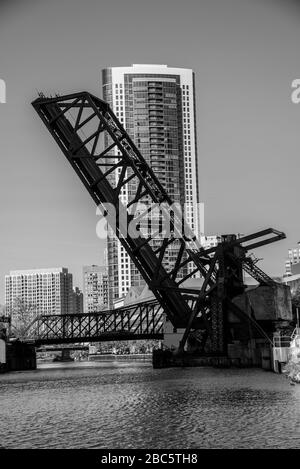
296,303
22,315
296,297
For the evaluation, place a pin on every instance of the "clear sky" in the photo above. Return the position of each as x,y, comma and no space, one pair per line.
245,54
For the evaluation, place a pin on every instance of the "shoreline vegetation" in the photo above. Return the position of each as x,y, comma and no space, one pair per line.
292,371
292,368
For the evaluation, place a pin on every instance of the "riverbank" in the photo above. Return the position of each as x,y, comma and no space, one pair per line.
138,357
120,357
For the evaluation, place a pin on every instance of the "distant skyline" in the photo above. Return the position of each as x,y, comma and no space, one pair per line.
245,55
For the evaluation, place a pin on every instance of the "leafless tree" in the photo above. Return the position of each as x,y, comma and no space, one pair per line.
22,315
296,297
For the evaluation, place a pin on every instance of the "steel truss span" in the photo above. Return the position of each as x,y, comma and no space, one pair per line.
139,321
110,165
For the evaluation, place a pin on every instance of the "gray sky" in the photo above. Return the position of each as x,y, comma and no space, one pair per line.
245,54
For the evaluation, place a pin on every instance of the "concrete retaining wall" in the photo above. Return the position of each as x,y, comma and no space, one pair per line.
269,303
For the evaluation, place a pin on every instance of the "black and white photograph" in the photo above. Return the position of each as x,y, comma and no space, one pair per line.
149,230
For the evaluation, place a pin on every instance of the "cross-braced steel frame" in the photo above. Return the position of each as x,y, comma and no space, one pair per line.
109,165
139,321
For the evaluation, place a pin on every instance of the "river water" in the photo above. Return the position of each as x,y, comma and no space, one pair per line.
130,405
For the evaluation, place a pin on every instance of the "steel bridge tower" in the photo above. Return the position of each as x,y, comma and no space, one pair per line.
98,147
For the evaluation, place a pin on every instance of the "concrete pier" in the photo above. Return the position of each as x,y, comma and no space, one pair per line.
168,359
18,356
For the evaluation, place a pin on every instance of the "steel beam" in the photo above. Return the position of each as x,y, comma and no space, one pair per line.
107,161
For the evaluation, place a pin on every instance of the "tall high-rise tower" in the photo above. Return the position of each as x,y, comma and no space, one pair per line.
156,105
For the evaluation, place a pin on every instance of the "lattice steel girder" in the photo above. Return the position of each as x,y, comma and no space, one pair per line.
108,163
140,321
223,280
218,320
95,152
269,235
235,251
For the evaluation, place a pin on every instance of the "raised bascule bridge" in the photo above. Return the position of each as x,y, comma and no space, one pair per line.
220,319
